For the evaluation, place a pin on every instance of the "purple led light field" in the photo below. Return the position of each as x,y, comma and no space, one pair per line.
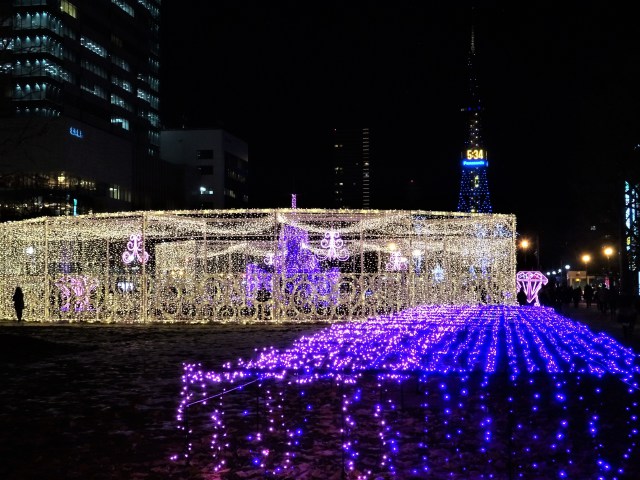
444,391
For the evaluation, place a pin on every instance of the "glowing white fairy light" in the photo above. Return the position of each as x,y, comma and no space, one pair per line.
397,262
195,263
438,273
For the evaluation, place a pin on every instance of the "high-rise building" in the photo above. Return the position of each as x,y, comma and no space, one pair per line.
215,166
79,107
474,186
351,168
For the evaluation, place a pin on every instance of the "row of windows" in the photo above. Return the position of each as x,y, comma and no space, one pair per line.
128,9
205,169
69,8
37,91
234,175
29,21
151,8
37,111
52,181
42,68
94,89
123,64
121,102
118,193
93,68
123,84
121,122
35,44
153,82
29,3
151,99
204,154
93,46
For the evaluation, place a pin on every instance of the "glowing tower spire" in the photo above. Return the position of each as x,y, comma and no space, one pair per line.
474,187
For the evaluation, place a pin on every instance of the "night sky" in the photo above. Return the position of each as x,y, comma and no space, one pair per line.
559,87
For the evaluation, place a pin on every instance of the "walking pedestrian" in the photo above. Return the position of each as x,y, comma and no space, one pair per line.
18,302
588,294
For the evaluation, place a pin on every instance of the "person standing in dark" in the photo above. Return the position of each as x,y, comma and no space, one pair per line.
576,296
522,296
588,294
18,302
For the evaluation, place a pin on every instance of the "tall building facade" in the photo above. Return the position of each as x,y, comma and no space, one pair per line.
474,185
215,166
79,107
351,168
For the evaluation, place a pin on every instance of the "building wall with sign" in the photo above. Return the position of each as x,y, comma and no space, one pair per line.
61,166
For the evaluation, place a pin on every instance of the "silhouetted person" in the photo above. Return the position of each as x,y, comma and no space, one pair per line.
522,297
588,294
18,302
576,296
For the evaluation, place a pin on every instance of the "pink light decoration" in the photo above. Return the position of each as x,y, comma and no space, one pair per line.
334,247
134,250
293,200
82,287
397,262
532,283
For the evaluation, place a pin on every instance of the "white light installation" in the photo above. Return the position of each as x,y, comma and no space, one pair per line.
438,273
397,262
134,250
532,282
333,246
205,256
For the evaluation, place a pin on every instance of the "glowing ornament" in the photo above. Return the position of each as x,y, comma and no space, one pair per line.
334,247
134,250
532,283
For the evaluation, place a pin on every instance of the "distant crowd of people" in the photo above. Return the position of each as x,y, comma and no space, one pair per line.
621,307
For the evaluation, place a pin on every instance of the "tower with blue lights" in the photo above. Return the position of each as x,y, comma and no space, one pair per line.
474,186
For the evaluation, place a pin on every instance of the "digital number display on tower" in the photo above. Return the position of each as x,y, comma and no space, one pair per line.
475,154
475,157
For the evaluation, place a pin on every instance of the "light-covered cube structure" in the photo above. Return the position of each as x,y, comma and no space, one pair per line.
269,265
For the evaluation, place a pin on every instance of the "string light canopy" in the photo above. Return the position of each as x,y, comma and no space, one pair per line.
270,265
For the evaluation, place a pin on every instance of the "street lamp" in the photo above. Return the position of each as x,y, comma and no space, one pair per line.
608,251
524,245
586,258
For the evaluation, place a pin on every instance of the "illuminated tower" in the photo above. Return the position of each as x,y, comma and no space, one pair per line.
474,187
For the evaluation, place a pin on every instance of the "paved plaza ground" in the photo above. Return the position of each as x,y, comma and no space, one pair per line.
86,401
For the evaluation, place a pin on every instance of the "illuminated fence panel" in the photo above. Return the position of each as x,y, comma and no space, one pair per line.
254,265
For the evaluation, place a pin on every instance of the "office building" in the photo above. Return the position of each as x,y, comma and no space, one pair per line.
351,168
79,107
215,165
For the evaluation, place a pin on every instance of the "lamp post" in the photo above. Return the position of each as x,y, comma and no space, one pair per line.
586,258
608,251
524,245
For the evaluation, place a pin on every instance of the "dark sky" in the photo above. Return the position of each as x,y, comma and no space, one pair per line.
559,87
